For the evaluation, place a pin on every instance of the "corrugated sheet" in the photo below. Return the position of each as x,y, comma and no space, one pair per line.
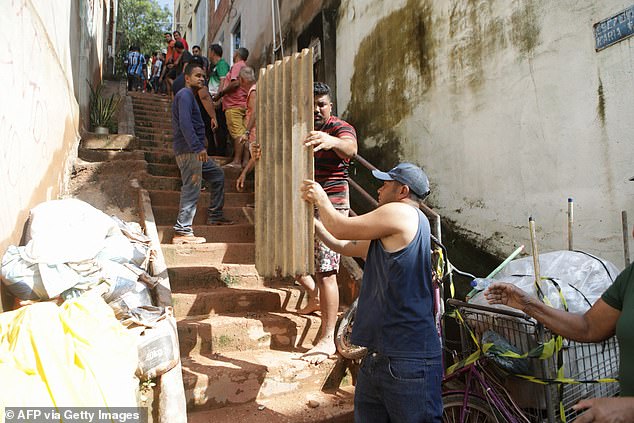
284,229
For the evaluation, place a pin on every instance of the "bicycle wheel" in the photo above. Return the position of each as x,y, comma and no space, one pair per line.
342,336
476,411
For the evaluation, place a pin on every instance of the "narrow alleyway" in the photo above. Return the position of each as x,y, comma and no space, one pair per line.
240,340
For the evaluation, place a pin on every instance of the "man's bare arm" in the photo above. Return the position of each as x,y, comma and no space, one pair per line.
350,248
597,324
389,219
345,147
208,104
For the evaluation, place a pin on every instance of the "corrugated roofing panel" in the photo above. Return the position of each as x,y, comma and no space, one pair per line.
284,231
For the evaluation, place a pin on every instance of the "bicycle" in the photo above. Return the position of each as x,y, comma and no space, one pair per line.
484,389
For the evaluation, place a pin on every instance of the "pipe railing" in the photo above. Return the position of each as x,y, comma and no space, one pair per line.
434,218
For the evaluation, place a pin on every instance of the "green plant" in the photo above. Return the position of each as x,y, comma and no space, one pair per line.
228,279
102,109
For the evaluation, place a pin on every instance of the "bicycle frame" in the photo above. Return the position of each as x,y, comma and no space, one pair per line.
476,383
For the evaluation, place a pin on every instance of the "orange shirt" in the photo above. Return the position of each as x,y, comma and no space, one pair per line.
170,51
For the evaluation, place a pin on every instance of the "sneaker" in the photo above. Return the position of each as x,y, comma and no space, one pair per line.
188,239
220,221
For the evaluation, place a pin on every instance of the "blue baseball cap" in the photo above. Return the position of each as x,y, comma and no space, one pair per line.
408,174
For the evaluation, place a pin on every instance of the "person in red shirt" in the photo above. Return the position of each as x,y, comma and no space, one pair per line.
177,37
234,104
334,142
169,59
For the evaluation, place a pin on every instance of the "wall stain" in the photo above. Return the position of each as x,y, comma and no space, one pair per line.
601,103
473,34
524,29
393,68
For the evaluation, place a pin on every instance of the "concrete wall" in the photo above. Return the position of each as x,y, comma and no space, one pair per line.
52,49
257,26
506,105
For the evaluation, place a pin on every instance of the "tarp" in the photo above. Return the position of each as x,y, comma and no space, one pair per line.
73,355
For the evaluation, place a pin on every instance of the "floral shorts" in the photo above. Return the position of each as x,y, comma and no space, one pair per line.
327,260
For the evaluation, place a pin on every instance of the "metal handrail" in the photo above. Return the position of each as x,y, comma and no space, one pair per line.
429,212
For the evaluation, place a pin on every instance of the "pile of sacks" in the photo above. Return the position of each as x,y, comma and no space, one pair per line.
74,250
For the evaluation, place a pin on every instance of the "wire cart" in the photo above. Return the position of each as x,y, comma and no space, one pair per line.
538,390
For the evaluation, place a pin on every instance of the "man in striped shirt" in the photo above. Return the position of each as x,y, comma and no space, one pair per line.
334,142
135,63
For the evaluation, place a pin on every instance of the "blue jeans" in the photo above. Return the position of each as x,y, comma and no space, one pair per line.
193,172
398,390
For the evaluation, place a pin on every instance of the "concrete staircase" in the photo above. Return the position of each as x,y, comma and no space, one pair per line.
240,339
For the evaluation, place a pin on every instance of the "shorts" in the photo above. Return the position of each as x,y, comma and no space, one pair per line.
327,260
235,121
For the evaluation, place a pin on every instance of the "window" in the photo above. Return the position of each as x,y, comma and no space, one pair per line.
236,36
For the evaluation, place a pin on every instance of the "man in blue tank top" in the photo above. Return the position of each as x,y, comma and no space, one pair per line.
400,378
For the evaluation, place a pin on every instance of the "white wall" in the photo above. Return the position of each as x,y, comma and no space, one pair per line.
256,34
52,48
509,121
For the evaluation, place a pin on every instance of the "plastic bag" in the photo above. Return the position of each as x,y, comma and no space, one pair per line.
581,277
158,347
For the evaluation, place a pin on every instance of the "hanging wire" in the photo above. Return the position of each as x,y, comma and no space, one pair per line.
279,26
273,28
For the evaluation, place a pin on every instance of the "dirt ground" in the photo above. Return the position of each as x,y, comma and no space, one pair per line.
109,186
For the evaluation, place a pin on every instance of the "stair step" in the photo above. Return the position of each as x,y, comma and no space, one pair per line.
215,275
247,331
146,111
172,183
148,145
146,136
212,276
163,106
166,215
234,233
153,128
172,198
237,299
219,380
160,157
161,169
334,407
105,155
187,255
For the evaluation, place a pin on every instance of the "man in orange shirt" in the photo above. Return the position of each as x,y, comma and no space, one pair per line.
169,59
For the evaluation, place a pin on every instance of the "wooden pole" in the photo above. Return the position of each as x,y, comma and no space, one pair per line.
570,222
531,227
626,238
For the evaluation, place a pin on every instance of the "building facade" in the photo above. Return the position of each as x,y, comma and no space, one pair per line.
509,106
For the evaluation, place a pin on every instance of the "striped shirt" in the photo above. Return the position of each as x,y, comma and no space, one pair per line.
136,61
331,171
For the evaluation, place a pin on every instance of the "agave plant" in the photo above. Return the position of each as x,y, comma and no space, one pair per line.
102,109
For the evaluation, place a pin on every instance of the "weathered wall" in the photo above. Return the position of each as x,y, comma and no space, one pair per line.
52,49
257,26
506,105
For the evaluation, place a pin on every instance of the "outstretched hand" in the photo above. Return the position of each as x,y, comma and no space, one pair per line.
240,181
507,294
605,410
320,141
313,193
